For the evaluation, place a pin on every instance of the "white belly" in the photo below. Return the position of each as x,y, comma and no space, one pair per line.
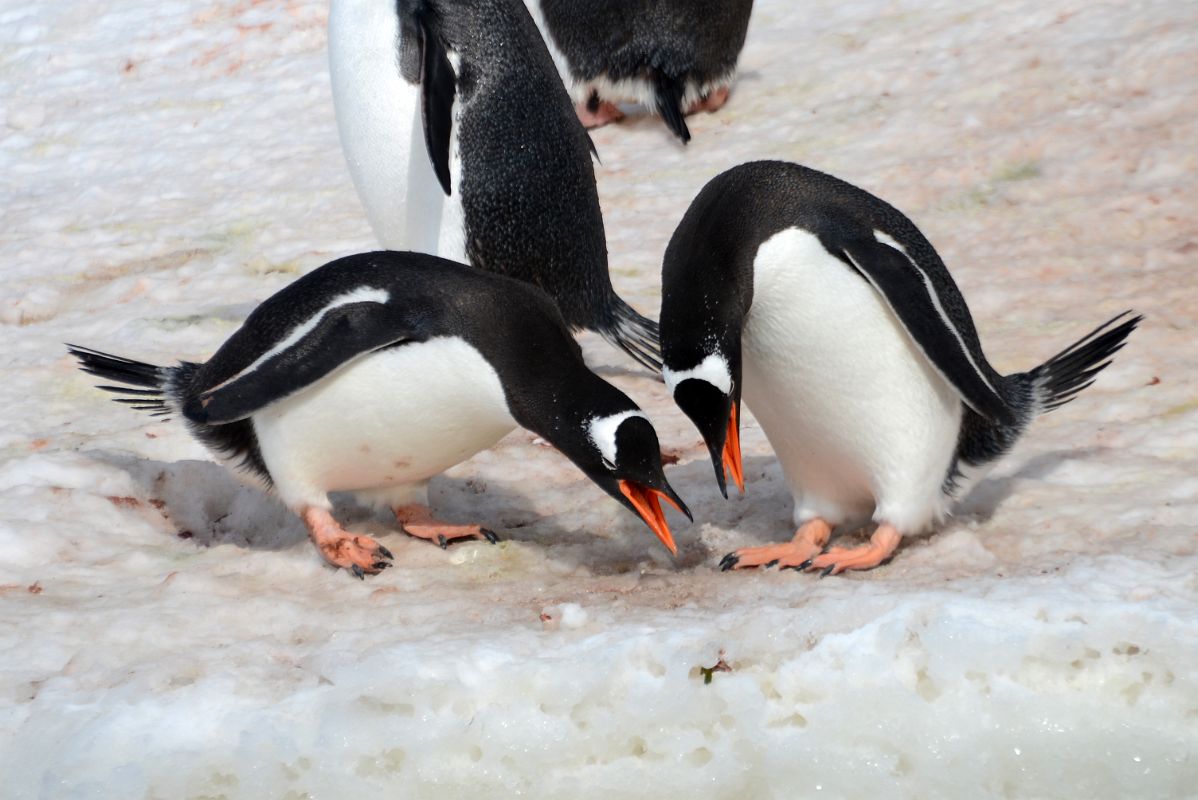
859,420
388,421
378,118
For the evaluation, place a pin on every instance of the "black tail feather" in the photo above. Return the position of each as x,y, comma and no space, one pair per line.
1059,379
669,92
636,335
129,372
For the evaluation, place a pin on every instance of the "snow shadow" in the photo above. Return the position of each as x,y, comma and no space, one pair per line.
984,499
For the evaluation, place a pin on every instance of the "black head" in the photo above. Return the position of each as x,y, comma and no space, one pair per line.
620,453
709,394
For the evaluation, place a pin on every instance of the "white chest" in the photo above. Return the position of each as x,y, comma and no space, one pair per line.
851,407
382,134
395,417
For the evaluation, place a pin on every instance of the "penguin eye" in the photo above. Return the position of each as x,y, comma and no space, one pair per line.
608,464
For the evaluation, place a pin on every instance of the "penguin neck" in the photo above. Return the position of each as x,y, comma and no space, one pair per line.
560,407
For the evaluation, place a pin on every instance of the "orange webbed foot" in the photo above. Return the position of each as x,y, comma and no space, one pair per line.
712,101
595,113
838,559
361,555
417,520
808,541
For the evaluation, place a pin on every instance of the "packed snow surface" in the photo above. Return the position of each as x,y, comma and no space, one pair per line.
168,632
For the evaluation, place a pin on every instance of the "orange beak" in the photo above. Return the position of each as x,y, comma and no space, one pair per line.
647,504
732,463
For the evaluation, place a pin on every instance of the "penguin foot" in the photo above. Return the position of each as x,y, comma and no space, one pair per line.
712,101
361,555
417,520
880,548
595,113
808,541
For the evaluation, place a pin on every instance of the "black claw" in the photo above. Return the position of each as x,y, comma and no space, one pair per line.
357,572
489,535
773,563
826,571
729,561
384,552
381,564
441,540
804,565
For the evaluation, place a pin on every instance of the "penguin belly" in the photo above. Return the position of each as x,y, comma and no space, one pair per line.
858,418
392,419
382,135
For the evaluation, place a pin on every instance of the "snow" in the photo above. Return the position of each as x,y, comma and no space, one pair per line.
169,632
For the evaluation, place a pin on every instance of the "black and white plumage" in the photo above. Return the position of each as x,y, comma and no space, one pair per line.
676,56
378,371
462,141
835,319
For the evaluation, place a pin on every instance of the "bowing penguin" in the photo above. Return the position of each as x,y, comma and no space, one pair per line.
829,313
378,371
676,56
461,141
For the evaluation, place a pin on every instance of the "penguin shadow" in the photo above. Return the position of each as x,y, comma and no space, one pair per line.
600,535
207,504
984,500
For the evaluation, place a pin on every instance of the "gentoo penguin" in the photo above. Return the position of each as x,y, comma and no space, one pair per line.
830,314
378,371
461,140
676,56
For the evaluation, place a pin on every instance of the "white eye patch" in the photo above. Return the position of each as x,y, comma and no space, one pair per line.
602,432
713,370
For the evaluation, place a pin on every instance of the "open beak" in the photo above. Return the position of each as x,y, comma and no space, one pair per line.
647,502
732,463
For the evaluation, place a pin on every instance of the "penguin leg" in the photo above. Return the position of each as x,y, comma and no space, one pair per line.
595,113
808,541
712,101
880,548
361,555
417,520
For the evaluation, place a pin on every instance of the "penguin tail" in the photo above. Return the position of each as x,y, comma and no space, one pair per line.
144,387
636,335
1059,379
668,91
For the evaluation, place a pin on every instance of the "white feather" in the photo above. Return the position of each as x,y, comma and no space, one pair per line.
384,424
859,419
382,134
602,432
713,369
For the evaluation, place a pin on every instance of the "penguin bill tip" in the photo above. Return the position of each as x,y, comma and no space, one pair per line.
646,501
733,464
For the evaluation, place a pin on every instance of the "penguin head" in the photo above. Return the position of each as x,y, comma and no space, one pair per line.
709,393
620,453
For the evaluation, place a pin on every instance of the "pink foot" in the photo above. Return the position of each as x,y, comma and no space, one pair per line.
595,113
808,540
713,101
417,520
881,547
361,555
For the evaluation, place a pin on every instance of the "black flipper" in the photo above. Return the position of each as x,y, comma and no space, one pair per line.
411,47
438,87
342,335
913,299
669,92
